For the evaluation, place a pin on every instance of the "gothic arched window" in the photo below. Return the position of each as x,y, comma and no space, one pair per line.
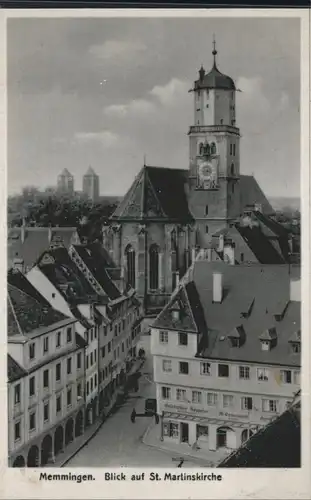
130,266
207,149
153,267
213,148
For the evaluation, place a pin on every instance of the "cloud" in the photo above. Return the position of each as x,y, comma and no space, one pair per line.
106,138
172,93
252,93
116,50
135,108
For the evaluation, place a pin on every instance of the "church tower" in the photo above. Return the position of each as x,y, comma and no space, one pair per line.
214,139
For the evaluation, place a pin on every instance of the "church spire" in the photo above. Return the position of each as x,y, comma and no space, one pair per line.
214,51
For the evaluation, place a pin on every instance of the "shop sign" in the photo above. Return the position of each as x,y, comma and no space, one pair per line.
232,415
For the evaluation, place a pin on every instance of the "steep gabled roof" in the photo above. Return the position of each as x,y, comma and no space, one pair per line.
15,371
98,262
26,314
251,193
156,193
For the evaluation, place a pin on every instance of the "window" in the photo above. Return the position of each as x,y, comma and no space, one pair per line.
163,337
167,365
153,267
32,421
115,354
58,339
45,345
58,403
227,400
232,169
265,345
206,229
206,209
92,384
205,368
221,121
17,431
212,398
95,333
68,366
182,339
69,335
92,334
91,359
183,367
46,412
296,347
202,430
105,331
103,351
197,397
171,429
269,405
109,346
262,374
79,360
32,351
244,372
296,377
17,394
242,257
87,362
286,376
130,266
79,390
246,403
31,386
118,351
181,395
230,149
119,327
223,370
233,149
69,397
122,346
166,393
46,379
87,388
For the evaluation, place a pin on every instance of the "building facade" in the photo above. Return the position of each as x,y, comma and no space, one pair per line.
154,235
91,185
227,356
45,378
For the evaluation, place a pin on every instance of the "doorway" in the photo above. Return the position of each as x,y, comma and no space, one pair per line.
184,432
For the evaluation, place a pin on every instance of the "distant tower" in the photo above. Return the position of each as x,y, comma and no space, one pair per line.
214,152
91,185
65,182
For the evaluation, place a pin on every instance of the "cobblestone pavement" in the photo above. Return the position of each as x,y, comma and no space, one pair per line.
119,441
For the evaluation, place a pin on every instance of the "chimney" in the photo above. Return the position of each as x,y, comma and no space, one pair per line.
23,230
217,287
229,256
193,254
209,255
50,234
177,278
221,243
295,290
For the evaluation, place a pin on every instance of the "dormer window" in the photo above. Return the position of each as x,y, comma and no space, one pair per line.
296,347
295,342
175,314
265,345
237,336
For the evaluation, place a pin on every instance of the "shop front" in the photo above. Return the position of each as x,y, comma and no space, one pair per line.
205,433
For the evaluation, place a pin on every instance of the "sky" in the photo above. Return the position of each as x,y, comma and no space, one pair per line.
109,92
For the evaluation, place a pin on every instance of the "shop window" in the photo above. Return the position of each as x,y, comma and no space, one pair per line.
171,429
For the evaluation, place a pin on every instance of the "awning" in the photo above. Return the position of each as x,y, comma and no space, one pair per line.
209,421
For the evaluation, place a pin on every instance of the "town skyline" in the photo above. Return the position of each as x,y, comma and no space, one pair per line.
120,102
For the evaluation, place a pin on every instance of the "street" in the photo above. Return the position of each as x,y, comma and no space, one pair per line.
118,442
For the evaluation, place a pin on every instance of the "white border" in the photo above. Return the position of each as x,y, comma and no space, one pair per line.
252,483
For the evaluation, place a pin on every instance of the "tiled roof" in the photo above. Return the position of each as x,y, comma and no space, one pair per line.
251,193
260,245
35,242
99,263
276,445
15,371
19,280
253,296
25,314
58,267
150,196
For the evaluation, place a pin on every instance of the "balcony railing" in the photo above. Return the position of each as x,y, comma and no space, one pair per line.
214,128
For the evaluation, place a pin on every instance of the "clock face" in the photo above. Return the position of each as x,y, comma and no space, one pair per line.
207,174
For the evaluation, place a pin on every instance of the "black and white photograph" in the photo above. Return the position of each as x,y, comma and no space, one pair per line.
154,244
